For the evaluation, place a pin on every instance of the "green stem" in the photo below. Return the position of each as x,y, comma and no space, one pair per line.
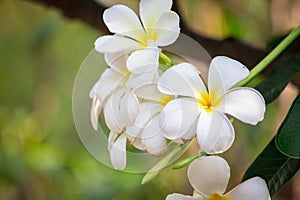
188,160
196,194
166,59
270,57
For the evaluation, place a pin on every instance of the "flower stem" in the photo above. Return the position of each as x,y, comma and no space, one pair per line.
270,57
188,160
166,59
196,193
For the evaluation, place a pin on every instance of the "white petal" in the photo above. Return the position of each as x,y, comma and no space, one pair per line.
191,133
129,107
107,83
95,111
150,92
178,116
116,43
215,133
245,104
182,79
147,111
118,153
153,139
156,145
136,142
122,20
252,189
93,90
138,80
166,30
112,114
146,60
111,139
150,11
225,72
100,41
176,196
117,61
209,174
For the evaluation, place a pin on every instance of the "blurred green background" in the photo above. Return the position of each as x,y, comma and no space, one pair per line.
41,156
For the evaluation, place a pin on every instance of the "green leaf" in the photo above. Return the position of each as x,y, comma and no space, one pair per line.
153,172
279,161
165,161
284,72
274,167
288,136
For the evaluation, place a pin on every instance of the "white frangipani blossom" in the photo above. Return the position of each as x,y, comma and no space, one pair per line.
113,94
112,78
202,109
159,26
146,129
120,111
209,176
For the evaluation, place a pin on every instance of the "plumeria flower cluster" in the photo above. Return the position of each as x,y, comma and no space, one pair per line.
146,107
122,92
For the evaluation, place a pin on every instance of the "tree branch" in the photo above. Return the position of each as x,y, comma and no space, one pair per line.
91,13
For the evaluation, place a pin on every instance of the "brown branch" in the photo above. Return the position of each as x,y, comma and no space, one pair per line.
91,12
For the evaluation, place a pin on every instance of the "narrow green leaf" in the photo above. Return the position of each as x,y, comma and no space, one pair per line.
284,72
288,136
274,167
153,172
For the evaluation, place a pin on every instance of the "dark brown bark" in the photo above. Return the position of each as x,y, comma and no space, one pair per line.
91,12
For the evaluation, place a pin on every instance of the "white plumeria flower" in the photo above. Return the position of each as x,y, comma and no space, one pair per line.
113,93
112,78
120,111
146,129
159,27
209,176
202,109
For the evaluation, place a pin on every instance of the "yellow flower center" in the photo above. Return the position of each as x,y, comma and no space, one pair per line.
205,102
216,196
164,100
125,77
152,36
208,101
144,40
